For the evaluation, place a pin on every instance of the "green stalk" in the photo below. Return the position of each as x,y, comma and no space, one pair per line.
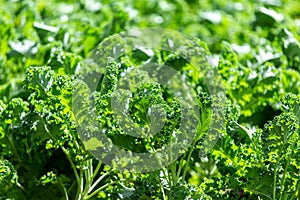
13,148
180,168
20,186
284,178
172,167
88,174
80,185
188,159
97,181
274,183
67,155
72,165
97,169
71,187
93,174
65,190
101,188
163,192
167,177
275,176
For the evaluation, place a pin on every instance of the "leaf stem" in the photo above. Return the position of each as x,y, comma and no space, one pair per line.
98,180
101,188
67,155
188,159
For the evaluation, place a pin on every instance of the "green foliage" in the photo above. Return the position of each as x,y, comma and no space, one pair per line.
8,173
255,48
